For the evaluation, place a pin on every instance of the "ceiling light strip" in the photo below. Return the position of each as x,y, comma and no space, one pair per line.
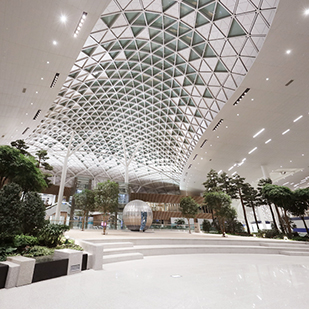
301,116
80,24
286,131
255,148
241,97
217,125
52,85
258,133
37,114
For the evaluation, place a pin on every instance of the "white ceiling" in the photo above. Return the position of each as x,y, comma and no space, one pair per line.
274,107
27,44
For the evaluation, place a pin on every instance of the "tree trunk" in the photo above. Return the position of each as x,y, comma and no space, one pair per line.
243,208
116,221
273,216
222,226
83,221
189,225
280,219
287,220
72,213
302,217
86,223
255,218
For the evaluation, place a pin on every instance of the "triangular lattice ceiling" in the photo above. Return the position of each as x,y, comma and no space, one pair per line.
157,72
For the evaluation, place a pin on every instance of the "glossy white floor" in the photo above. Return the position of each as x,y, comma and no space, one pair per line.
204,281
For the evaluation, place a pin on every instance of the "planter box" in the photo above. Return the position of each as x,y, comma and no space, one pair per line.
50,269
85,261
3,274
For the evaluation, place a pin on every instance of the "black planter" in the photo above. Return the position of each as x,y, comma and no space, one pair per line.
3,274
50,269
84,262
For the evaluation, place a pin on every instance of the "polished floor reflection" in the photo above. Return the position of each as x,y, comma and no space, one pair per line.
178,281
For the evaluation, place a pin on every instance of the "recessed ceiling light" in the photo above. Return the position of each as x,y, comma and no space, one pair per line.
26,114
302,155
21,123
36,92
258,133
288,51
237,114
291,161
307,12
226,127
42,78
63,18
301,116
218,136
252,99
55,42
269,140
255,148
47,62
286,131
201,158
267,78
31,103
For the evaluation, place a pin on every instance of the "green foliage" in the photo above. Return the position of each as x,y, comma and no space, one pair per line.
188,207
70,246
106,196
85,202
21,241
273,233
220,203
18,168
106,199
50,235
6,251
206,226
21,146
179,221
37,251
33,213
10,215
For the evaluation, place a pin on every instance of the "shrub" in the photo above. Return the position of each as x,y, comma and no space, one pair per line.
50,235
33,213
37,251
206,226
22,241
10,206
6,251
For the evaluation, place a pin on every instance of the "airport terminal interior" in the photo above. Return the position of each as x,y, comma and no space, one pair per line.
153,94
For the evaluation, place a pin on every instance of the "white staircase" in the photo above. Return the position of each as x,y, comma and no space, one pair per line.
120,252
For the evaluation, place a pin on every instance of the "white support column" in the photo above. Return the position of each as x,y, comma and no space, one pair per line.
63,178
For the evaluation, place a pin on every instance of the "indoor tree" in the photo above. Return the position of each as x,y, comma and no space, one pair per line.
282,197
249,196
188,208
85,202
300,204
106,199
239,183
262,199
220,203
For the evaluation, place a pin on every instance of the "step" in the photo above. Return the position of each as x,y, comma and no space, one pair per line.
113,251
112,245
122,257
295,253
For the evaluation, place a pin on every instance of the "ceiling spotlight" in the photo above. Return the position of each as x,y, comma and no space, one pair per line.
47,62
307,12
288,51
55,42
267,78
63,18
80,23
